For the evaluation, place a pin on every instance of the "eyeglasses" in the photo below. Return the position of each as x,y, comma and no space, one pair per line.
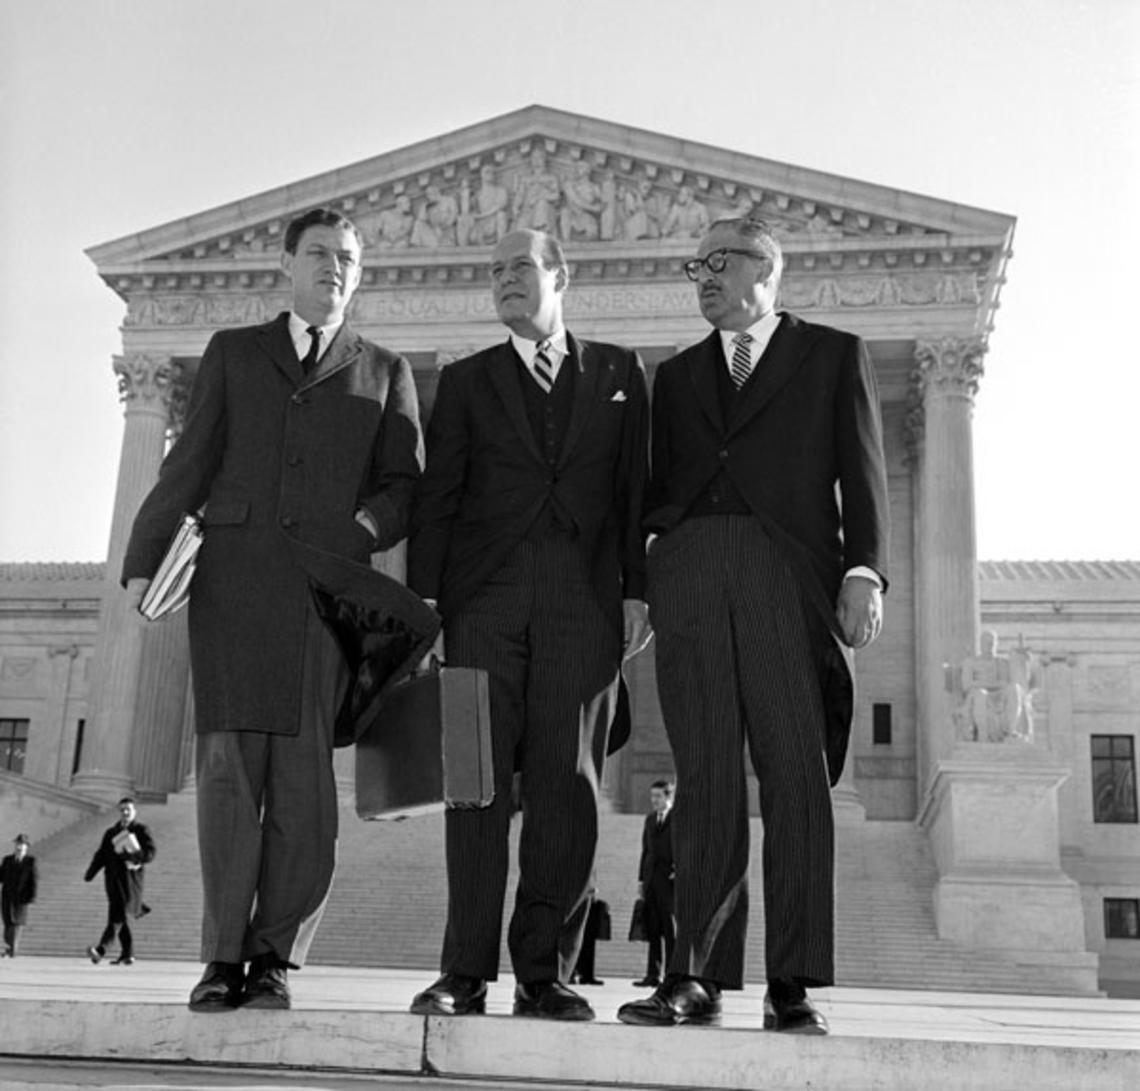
716,261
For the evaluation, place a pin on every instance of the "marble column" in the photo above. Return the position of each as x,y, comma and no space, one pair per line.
943,384
147,388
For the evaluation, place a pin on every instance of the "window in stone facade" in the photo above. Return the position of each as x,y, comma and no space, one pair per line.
1114,778
1122,918
13,744
881,725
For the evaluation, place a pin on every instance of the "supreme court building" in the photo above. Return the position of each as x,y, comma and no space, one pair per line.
1019,766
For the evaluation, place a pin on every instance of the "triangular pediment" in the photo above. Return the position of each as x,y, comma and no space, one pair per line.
604,188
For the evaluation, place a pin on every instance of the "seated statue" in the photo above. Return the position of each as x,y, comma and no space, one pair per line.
995,694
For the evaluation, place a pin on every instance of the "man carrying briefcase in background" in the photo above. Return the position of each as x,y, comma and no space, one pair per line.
526,531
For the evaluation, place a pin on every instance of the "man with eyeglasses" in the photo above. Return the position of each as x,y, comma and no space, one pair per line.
767,523
526,529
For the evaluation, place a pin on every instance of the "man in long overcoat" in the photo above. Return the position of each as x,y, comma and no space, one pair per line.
655,882
302,442
17,892
125,849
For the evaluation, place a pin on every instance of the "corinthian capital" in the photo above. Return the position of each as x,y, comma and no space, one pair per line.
152,382
949,365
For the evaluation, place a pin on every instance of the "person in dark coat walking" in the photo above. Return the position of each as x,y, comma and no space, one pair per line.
302,442
655,882
17,892
126,847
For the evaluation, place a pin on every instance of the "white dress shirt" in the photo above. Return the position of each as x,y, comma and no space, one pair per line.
528,350
299,331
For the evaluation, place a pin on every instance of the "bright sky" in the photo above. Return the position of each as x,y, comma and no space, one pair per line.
120,115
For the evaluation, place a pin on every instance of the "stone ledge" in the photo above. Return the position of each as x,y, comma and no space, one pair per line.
350,1022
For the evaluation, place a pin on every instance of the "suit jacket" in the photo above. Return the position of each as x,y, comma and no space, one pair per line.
282,462
17,886
124,885
486,480
809,422
655,870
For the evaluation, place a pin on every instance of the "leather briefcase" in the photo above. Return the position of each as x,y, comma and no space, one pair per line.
429,748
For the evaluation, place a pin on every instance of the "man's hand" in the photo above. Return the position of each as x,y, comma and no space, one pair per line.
860,611
638,631
136,588
364,517
436,653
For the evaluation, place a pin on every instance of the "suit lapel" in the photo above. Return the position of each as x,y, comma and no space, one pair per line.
702,373
502,369
279,347
781,358
345,348
585,389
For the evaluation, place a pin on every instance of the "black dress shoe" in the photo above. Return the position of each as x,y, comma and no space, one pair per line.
124,960
798,1016
678,1000
452,994
590,981
647,983
220,988
267,985
551,1000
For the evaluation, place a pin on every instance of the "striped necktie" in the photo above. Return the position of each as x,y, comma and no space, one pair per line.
310,360
543,367
741,366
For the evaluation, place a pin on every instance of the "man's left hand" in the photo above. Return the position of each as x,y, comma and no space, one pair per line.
860,611
638,631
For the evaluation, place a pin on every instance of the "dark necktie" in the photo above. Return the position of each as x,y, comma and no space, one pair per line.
310,360
741,366
543,368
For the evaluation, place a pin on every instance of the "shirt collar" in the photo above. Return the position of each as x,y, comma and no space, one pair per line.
299,331
528,349
760,331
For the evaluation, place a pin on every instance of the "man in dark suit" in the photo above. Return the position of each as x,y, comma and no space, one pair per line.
526,532
768,501
123,853
17,892
655,882
302,440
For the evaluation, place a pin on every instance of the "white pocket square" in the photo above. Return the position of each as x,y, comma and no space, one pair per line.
618,397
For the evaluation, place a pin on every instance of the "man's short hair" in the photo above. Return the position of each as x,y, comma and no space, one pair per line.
318,217
756,231
665,785
553,256
126,799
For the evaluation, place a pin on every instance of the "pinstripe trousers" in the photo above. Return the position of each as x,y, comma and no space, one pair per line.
736,667
553,659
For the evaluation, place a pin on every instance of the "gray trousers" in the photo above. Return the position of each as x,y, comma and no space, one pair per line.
267,822
736,667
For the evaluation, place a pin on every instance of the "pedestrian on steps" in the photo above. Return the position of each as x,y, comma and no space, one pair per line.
126,847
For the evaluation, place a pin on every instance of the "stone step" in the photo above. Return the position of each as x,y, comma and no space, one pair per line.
351,1025
388,902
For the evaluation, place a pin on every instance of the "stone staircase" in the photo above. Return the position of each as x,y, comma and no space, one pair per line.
388,902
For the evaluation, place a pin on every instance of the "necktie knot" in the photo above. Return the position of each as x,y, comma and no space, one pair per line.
741,366
310,360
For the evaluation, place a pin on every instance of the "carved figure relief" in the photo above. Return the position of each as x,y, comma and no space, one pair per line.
688,218
536,196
